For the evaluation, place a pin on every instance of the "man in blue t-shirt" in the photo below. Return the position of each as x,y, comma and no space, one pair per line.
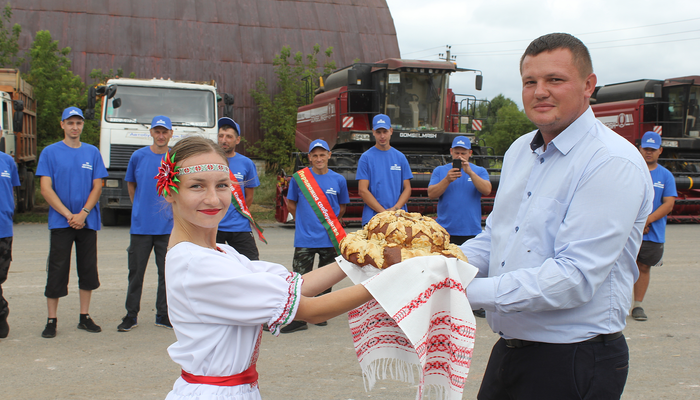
310,236
459,193
383,173
151,224
234,228
8,180
71,182
652,249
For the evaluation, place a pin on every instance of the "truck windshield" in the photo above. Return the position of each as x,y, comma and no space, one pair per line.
415,101
184,107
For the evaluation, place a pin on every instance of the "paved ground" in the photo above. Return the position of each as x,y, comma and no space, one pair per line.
315,364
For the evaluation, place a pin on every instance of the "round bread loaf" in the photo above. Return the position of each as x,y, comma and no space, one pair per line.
394,236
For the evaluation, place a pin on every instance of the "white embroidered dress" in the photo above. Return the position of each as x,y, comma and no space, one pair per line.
217,302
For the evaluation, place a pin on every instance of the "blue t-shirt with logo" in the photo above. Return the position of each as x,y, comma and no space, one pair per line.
244,170
309,231
459,207
150,214
8,180
72,172
385,170
664,186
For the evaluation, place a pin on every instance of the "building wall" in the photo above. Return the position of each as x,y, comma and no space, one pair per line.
230,41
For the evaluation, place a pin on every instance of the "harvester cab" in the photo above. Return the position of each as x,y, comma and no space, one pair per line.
424,116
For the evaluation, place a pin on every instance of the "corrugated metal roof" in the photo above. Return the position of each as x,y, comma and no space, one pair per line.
232,42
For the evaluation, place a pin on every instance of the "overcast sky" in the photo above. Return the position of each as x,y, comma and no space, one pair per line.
628,40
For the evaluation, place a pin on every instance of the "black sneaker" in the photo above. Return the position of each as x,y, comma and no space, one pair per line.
88,324
4,326
480,313
50,330
163,321
324,323
638,314
128,323
294,326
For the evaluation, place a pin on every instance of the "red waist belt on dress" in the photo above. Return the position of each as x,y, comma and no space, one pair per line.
248,376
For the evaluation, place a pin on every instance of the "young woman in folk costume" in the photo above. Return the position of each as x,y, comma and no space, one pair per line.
218,300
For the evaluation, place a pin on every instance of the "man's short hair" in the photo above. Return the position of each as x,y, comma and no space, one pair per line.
554,41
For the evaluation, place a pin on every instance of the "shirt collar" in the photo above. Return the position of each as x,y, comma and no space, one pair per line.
568,138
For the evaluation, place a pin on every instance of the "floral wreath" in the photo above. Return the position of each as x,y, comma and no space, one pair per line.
167,175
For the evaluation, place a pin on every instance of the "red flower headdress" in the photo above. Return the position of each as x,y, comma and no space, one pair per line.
167,175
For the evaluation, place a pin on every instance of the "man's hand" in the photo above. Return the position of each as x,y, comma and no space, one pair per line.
77,221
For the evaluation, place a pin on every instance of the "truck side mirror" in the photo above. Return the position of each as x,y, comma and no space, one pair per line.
116,103
228,105
17,120
479,82
228,99
110,92
91,100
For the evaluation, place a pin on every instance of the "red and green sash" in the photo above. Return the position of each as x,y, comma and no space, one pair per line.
319,203
238,200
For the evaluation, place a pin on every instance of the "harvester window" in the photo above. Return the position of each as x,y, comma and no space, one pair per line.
415,102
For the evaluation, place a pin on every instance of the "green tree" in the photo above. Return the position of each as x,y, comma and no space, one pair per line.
8,40
296,76
55,88
504,123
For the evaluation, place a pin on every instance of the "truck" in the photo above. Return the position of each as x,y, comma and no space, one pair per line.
127,108
670,108
19,134
424,114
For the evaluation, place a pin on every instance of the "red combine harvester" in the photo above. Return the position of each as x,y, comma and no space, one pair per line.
424,113
670,108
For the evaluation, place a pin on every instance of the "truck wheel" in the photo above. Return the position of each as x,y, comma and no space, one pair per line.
109,216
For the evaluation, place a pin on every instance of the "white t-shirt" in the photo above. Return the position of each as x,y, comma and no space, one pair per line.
217,303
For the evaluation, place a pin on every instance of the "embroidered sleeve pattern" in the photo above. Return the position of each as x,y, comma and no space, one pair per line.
289,309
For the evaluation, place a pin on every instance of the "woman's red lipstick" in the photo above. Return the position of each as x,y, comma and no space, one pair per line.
211,211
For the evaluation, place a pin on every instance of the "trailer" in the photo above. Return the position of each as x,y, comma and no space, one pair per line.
19,134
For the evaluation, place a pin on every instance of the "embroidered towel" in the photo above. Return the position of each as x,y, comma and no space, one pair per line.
420,318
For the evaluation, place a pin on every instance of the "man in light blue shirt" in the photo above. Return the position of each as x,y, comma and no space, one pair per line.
557,257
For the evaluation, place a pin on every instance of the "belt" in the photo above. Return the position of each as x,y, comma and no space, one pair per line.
248,376
517,343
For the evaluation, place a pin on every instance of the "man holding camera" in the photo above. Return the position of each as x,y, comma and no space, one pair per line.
458,188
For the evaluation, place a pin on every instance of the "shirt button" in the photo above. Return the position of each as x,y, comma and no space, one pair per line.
517,228
541,160
503,263
529,194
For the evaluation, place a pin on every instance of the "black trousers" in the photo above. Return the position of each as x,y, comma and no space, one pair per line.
459,240
5,260
58,265
243,242
139,251
303,260
586,370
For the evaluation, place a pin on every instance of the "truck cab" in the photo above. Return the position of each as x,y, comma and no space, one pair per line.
127,110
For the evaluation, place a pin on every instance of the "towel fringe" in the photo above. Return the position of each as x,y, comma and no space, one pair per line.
389,368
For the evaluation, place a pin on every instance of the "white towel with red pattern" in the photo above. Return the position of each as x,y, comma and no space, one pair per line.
420,321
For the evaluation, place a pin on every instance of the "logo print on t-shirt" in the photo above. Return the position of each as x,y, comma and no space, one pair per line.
5,174
396,167
331,191
238,176
87,165
659,184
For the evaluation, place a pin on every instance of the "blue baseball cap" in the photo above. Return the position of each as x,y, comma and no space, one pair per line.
319,143
381,121
462,141
651,140
71,112
226,121
162,120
